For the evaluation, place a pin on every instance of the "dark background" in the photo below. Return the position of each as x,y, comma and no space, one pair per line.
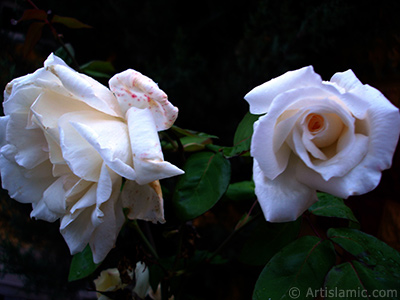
206,55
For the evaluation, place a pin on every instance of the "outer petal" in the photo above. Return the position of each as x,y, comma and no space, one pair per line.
31,145
133,89
3,126
148,159
144,202
261,97
23,185
82,87
284,198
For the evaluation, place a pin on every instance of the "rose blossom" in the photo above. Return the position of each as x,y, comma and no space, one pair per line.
67,142
335,137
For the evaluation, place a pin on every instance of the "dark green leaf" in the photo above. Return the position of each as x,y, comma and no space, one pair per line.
64,55
372,252
331,206
69,22
290,274
239,191
206,179
97,68
266,239
354,280
242,138
82,265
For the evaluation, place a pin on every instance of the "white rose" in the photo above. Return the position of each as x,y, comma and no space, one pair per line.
334,137
66,143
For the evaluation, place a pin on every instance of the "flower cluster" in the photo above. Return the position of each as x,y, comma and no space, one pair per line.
335,137
68,142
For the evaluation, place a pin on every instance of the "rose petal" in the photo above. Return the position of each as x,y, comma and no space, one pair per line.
144,202
31,145
133,89
25,186
148,159
83,88
80,155
3,125
109,137
261,97
283,199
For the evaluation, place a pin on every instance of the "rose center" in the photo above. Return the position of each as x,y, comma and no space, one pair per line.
315,123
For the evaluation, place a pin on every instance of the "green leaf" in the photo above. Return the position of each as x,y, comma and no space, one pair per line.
381,259
206,179
242,137
63,54
82,265
354,280
69,22
97,68
331,206
266,239
301,265
239,191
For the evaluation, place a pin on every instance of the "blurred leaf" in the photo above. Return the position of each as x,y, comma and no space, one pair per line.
33,14
369,250
97,68
33,36
266,239
301,265
240,191
69,22
206,179
358,281
82,265
331,206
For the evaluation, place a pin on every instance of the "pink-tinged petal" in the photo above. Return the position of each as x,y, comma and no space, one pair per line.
83,88
133,89
109,137
144,202
31,144
261,97
23,185
272,130
81,157
283,199
148,159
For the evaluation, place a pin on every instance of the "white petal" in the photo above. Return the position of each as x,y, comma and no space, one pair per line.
133,89
3,125
80,155
283,199
261,97
144,202
20,93
109,137
84,88
50,107
148,159
274,128
40,211
30,143
25,186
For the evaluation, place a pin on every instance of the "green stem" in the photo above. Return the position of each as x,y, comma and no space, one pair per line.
145,240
